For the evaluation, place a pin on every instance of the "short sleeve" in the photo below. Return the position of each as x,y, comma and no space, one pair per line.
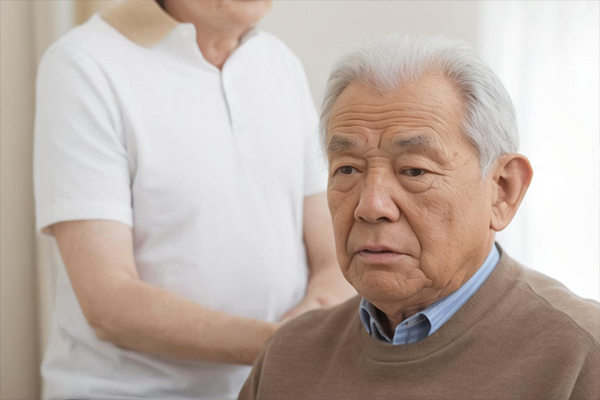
81,167
315,164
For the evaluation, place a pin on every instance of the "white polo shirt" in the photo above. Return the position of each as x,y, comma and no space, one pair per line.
209,168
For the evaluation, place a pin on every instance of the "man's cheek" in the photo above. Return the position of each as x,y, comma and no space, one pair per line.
341,242
341,224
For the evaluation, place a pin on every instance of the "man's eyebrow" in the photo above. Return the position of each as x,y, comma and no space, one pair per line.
419,143
414,141
340,143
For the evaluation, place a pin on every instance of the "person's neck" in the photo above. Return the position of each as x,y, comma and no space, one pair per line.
215,42
216,47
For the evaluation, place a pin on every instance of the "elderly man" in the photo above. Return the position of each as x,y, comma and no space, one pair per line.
421,140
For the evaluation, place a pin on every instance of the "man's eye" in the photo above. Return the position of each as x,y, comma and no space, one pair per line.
345,170
414,172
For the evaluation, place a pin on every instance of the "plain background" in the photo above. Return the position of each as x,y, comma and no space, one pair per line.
320,31
317,31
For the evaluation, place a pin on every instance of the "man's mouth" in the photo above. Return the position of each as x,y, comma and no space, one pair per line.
378,249
379,254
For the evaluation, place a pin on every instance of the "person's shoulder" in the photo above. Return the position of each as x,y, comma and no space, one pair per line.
87,41
274,43
577,316
277,47
324,319
323,325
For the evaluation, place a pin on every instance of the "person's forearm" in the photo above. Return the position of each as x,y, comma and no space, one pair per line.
320,246
326,285
99,259
145,318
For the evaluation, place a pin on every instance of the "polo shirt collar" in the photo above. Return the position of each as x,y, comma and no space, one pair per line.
145,23
142,21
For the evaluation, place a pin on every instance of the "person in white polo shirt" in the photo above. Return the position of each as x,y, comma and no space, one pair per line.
177,164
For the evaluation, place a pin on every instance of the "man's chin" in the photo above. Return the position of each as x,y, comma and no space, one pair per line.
388,283
386,293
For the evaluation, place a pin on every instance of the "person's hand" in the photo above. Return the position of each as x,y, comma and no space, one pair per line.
310,302
324,290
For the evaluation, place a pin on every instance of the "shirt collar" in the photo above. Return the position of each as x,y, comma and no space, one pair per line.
437,314
142,21
145,23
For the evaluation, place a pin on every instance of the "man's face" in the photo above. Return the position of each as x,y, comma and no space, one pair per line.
411,213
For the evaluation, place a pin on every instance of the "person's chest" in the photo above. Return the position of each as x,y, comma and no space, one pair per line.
191,129
484,365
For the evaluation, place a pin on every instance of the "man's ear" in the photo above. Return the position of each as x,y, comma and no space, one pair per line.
511,179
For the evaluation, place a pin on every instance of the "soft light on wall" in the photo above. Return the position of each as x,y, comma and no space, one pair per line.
546,54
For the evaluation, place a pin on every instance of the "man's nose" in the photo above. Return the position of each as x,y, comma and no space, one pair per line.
376,202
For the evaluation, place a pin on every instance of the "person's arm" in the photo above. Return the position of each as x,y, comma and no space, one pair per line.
326,286
130,313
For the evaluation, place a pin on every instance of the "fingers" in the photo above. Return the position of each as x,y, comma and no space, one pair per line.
301,308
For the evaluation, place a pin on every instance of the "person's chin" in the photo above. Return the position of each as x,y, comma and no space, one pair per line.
381,287
392,267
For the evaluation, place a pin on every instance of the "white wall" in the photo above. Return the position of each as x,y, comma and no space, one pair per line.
319,31
547,56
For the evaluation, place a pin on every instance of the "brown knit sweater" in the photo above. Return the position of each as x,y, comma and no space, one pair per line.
522,335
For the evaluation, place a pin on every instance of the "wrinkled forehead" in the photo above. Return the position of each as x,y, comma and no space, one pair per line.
427,112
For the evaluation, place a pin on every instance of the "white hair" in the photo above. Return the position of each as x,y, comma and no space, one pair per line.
387,62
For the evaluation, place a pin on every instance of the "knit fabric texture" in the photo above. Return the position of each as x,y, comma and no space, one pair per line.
522,335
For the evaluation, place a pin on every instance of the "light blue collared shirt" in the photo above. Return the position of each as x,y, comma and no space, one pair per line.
426,322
